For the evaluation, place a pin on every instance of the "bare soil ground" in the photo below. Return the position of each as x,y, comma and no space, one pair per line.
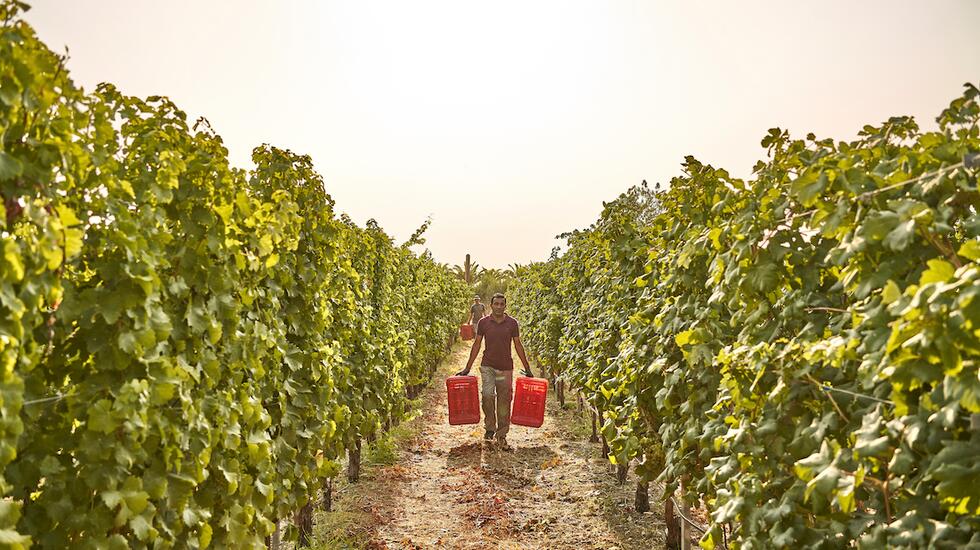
441,486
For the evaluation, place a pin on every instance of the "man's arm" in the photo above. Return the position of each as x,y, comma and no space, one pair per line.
474,351
520,353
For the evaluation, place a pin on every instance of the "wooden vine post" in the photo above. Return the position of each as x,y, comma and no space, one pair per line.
327,502
303,520
354,462
641,502
673,524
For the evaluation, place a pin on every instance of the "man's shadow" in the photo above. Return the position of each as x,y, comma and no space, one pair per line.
515,469
467,455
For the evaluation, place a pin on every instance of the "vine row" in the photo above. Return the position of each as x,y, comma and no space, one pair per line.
798,350
188,349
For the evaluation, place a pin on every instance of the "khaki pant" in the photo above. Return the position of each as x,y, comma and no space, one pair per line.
497,394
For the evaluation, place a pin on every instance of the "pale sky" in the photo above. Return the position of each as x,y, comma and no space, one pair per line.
510,122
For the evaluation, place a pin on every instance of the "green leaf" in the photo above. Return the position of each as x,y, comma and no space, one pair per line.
225,211
714,235
970,250
683,338
50,466
214,332
10,167
73,242
878,225
891,292
823,483
939,271
876,447
809,186
111,498
142,528
763,277
845,498
898,238
100,418
67,216
14,266
204,539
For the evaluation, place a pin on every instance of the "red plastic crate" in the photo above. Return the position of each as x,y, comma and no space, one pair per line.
463,394
529,399
466,331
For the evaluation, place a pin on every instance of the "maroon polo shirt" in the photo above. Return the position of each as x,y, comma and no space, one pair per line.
498,337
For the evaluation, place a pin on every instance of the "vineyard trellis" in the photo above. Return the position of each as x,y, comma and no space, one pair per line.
188,349
797,350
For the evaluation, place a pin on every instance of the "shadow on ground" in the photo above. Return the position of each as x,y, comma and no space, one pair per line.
510,470
614,501
467,455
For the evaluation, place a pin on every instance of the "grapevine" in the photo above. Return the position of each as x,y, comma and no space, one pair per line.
799,349
189,349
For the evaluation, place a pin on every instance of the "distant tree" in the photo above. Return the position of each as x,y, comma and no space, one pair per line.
491,281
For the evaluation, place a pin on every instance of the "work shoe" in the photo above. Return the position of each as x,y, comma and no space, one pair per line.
501,444
488,435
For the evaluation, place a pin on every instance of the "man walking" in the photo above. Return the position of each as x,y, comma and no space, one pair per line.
477,311
497,368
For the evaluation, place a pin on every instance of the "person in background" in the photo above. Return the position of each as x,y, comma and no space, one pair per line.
477,311
497,368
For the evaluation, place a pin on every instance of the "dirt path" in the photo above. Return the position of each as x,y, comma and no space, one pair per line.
450,490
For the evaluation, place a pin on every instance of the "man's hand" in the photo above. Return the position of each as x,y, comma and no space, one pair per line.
464,372
527,372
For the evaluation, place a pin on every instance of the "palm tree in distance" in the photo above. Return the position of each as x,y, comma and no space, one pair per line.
486,282
475,271
491,281
468,272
